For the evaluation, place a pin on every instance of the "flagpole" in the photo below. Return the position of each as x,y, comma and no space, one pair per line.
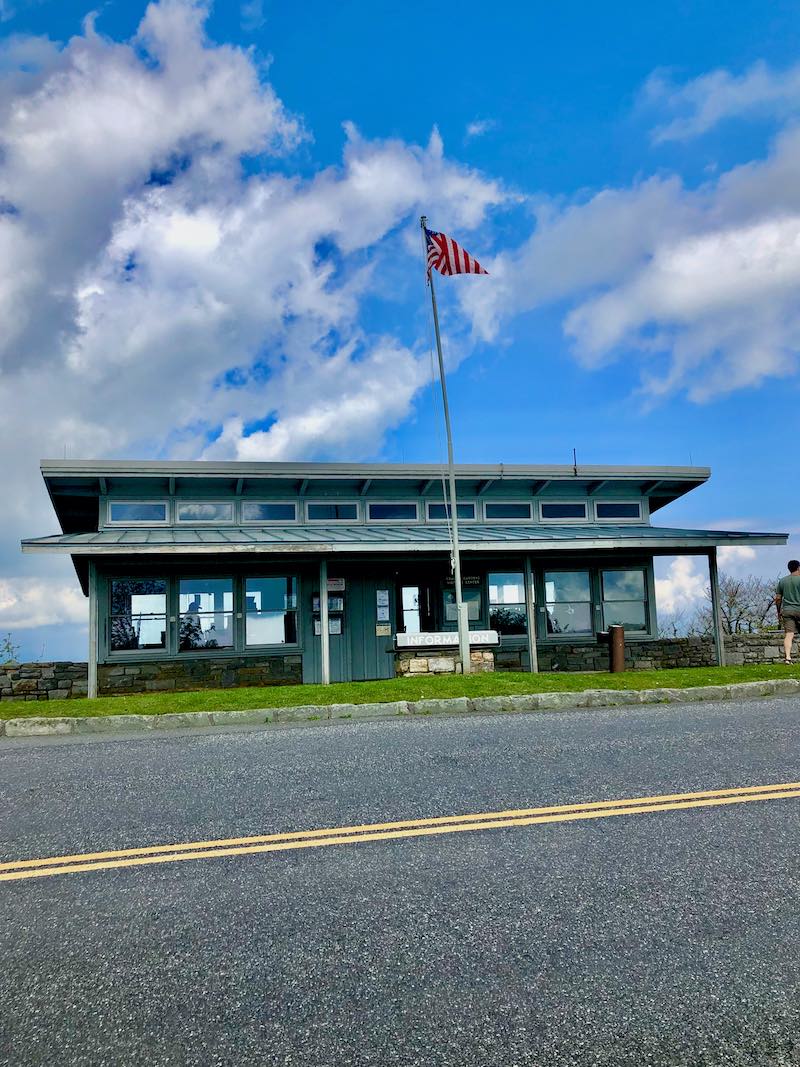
461,607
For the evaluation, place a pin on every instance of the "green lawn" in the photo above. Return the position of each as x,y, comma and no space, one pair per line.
475,685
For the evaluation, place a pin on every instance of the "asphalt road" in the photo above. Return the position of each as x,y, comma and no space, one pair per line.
665,938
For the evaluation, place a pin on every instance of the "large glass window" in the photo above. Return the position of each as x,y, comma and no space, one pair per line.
130,511
442,511
568,601
263,512
206,613
271,611
507,611
138,614
624,599
507,511
384,512
618,509
332,512
471,597
563,511
203,511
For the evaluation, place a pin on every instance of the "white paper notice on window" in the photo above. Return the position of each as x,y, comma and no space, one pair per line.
383,613
382,599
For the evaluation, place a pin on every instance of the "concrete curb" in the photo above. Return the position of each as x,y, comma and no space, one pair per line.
309,714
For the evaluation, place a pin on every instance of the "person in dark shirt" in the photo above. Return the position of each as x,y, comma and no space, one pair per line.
787,601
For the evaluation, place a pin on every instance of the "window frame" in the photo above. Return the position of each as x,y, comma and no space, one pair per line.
576,521
141,653
459,503
270,522
230,650
384,522
595,607
179,501
166,521
333,502
517,637
645,600
530,504
298,622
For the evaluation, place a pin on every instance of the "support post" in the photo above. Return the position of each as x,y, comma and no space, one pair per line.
530,608
716,614
91,688
323,622
461,607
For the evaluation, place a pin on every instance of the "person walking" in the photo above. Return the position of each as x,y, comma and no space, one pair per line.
787,601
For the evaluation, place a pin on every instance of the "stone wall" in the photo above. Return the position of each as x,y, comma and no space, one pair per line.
228,673
649,655
42,681
425,661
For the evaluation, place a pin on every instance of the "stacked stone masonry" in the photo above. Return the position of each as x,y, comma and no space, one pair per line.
66,680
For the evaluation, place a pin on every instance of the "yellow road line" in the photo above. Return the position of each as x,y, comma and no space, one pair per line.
387,831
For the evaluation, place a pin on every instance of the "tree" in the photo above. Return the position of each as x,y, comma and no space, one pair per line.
745,606
8,650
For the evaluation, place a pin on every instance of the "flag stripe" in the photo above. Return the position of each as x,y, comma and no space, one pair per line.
448,257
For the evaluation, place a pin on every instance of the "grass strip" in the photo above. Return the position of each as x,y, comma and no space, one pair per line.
408,688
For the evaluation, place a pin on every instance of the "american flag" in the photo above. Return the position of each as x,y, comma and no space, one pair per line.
448,257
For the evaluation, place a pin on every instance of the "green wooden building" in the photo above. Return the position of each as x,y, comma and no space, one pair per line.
205,573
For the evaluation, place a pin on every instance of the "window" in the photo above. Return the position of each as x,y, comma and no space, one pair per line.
332,512
442,511
508,511
206,613
563,510
568,601
471,597
138,614
202,511
388,512
139,511
268,512
624,599
271,611
618,509
507,611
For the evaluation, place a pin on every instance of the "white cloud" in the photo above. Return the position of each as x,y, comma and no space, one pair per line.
478,128
702,103
252,15
682,588
734,557
26,603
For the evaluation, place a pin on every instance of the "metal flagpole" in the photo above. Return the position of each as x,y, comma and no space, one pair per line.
461,607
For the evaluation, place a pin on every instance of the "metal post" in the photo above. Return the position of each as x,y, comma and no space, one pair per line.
530,607
461,607
716,614
323,622
91,687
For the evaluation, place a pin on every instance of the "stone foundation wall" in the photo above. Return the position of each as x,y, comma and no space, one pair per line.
42,681
228,673
649,655
425,661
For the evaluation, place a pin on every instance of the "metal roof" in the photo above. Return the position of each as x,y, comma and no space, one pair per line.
388,538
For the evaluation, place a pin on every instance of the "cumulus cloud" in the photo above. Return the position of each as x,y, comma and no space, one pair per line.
702,103
26,603
682,587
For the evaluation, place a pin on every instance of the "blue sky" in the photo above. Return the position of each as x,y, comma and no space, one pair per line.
628,173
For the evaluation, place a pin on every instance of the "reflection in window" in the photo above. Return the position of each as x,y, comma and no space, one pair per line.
393,511
138,614
618,510
568,600
624,599
202,511
411,616
471,597
271,611
508,511
138,512
268,512
507,610
332,512
442,511
563,511
206,613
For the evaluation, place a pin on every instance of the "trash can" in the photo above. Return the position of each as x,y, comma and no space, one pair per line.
614,637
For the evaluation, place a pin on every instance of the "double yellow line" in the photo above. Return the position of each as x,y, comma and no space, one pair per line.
386,831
